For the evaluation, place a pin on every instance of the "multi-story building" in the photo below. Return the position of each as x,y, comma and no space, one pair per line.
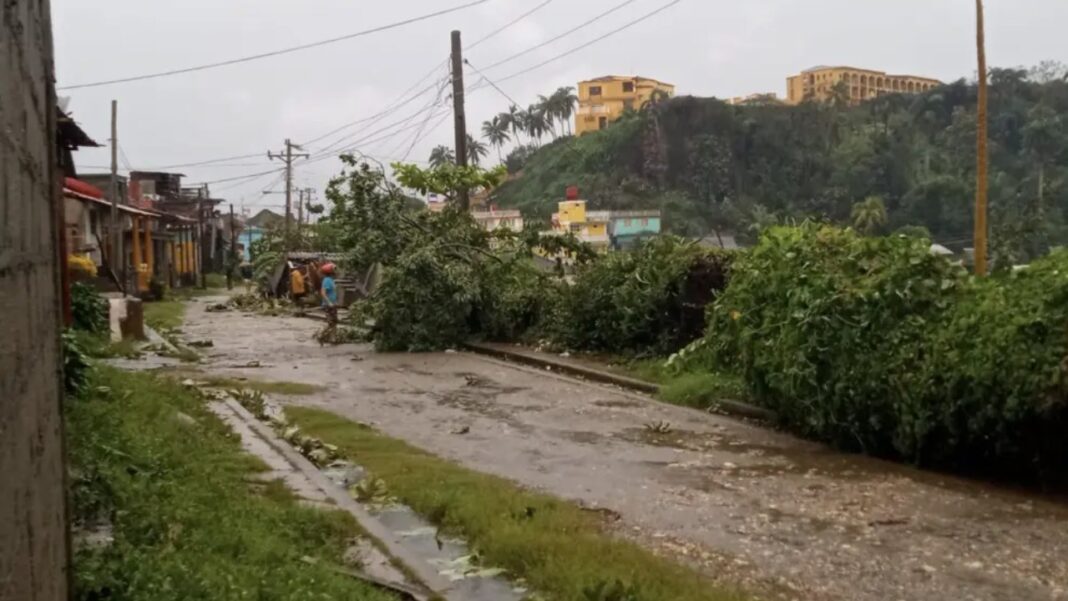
625,228
604,99
820,84
498,219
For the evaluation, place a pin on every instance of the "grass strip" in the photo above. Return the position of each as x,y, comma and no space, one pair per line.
186,522
265,386
563,551
164,314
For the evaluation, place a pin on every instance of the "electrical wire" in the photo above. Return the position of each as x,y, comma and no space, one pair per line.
237,177
272,53
623,27
508,24
586,23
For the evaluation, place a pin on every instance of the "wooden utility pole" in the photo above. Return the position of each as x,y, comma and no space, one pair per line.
981,158
300,211
232,258
199,242
116,259
288,157
459,118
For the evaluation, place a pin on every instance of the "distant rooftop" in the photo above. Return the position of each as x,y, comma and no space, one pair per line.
627,77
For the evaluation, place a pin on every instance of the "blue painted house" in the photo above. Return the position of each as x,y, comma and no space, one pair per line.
625,228
255,228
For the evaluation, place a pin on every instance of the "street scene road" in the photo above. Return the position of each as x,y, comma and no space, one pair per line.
745,503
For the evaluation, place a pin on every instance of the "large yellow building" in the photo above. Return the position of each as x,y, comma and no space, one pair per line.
818,83
604,99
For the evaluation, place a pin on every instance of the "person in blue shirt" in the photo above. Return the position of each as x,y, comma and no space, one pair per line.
328,294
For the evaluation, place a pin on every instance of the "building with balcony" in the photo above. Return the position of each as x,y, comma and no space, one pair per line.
499,219
857,85
604,99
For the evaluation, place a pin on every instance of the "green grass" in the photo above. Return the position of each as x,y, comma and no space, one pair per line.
264,386
165,314
101,346
701,390
186,523
563,551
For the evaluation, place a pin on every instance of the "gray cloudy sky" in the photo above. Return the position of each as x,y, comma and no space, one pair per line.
705,47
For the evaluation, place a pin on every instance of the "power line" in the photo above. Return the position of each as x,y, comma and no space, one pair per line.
237,177
291,49
586,23
508,24
390,108
591,42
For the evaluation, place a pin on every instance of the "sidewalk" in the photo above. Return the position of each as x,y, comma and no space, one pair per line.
599,372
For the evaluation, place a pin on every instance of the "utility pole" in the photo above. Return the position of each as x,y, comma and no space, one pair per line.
300,211
981,158
199,243
230,260
113,191
459,119
288,157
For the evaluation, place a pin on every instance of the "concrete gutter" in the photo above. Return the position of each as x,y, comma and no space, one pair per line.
423,571
604,376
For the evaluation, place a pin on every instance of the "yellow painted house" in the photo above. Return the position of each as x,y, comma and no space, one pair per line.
603,100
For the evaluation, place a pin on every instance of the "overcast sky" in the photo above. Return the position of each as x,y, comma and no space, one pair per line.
704,47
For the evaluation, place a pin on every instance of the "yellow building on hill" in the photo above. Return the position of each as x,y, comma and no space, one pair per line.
819,84
603,100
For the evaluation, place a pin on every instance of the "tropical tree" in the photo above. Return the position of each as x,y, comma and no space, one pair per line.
476,151
869,215
535,122
564,101
496,131
547,108
655,99
515,119
441,155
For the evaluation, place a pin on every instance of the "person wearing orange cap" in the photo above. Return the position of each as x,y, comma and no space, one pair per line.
328,294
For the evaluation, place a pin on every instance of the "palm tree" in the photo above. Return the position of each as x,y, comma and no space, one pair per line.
564,100
535,122
496,131
476,150
441,155
655,99
515,119
869,215
547,107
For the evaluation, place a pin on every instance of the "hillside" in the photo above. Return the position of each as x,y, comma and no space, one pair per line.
710,165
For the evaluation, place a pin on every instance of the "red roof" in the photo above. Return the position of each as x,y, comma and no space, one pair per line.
81,187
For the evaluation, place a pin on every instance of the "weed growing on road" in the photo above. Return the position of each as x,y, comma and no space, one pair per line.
164,315
560,549
702,390
149,459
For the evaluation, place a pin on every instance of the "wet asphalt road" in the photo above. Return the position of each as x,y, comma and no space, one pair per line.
785,518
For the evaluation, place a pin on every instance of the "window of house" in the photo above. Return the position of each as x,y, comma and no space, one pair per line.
576,227
595,90
602,122
628,86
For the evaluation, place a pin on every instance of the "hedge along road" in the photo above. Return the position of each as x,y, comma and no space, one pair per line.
783,517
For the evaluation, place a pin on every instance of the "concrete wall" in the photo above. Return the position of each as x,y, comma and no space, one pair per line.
33,531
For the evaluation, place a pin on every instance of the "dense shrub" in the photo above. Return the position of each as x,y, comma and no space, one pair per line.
996,387
516,300
89,308
650,300
875,344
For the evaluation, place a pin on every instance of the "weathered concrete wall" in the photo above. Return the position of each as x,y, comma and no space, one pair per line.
33,531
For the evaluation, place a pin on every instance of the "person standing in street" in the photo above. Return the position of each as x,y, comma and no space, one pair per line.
328,294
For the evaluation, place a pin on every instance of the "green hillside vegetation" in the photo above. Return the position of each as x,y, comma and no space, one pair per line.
892,162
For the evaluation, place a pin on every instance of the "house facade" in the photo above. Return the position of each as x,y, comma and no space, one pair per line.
822,83
605,99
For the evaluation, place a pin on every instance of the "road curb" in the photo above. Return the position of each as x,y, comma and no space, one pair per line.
423,571
722,406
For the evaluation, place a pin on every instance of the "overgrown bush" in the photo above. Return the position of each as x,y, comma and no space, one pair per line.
75,363
89,308
516,299
996,386
650,300
877,345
